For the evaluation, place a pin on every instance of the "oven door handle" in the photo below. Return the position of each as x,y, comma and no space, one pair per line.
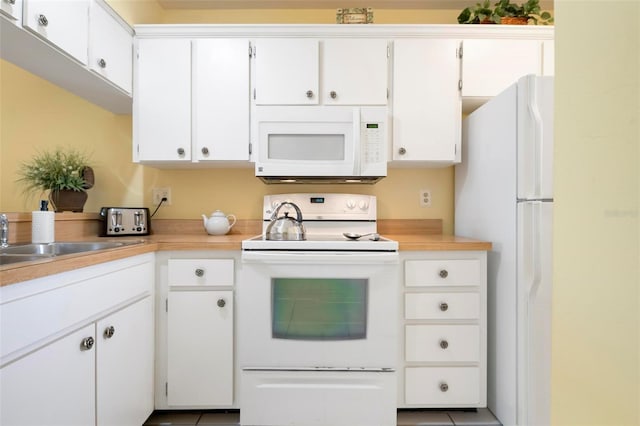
333,257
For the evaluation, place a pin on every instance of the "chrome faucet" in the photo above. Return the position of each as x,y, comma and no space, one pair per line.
4,231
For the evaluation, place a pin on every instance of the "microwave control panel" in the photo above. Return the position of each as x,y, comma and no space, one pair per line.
372,142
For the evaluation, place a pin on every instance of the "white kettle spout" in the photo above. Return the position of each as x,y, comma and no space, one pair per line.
204,219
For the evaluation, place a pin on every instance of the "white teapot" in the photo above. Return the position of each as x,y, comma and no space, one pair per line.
218,223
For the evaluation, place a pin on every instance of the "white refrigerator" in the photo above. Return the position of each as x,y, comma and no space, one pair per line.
504,194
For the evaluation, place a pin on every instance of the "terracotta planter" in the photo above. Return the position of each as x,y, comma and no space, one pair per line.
68,200
514,20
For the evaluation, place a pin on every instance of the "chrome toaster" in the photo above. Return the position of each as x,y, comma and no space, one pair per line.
117,221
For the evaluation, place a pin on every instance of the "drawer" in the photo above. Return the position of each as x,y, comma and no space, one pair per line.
442,343
200,272
442,306
443,386
445,272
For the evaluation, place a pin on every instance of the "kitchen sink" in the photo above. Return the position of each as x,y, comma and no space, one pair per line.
37,251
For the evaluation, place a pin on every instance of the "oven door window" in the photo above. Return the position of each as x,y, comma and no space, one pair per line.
319,308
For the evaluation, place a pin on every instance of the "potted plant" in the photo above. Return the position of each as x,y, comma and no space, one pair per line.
65,173
514,14
481,13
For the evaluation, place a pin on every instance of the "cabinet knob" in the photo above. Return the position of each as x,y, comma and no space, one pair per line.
205,150
402,151
87,343
444,387
444,306
42,20
199,272
109,332
11,1
180,152
102,63
221,303
444,344
333,94
309,94
443,273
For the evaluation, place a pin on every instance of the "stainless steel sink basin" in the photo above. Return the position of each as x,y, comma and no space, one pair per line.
36,251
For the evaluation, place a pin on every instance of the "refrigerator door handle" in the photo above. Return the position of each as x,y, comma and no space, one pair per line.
536,118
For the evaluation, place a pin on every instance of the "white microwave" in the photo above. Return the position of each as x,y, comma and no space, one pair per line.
320,144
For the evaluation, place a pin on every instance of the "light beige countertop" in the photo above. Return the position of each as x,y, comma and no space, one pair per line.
171,235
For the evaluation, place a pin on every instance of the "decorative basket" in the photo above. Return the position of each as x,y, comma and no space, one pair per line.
514,20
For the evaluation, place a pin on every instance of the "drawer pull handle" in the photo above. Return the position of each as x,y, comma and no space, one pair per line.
109,332
309,94
102,63
86,344
444,344
43,21
221,303
180,152
444,387
444,306
333,94
443,273
205,150
199,272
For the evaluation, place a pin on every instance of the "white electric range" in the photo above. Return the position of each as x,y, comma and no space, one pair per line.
317,328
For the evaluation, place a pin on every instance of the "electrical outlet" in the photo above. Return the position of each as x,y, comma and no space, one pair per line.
425,198
160,193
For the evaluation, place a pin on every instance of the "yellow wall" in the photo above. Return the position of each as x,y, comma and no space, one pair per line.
595,349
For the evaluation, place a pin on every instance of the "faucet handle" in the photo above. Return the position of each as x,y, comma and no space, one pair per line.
4,230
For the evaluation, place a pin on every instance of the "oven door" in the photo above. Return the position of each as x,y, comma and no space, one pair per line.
318,310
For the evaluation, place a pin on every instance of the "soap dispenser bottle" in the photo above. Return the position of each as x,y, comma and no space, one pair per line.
43,224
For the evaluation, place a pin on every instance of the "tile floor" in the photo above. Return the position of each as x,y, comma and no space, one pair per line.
481,417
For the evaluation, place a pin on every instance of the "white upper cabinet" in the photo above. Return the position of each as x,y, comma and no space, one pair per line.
220,99
162,102
354,72
64,23
427,106
491,65
548,57
12,9
348,71
287,72
191,100
110,46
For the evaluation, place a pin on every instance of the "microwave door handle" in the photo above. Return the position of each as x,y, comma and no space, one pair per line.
356,142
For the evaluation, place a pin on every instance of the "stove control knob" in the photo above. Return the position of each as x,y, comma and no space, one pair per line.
351,204
364,205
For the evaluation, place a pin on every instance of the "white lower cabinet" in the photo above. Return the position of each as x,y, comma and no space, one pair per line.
200,348
124,365
443,330
77,347
54,385
195,366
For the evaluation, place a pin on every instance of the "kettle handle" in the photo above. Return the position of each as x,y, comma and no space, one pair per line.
274,216
234,220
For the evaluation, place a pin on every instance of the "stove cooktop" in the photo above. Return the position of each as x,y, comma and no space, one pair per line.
321,243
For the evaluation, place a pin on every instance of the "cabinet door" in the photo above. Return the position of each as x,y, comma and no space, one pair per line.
12,10
548,57
427,107
64,23
54,385
162,104
200,348
221,99
286,72
354,72
110,47
124,365
490,66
